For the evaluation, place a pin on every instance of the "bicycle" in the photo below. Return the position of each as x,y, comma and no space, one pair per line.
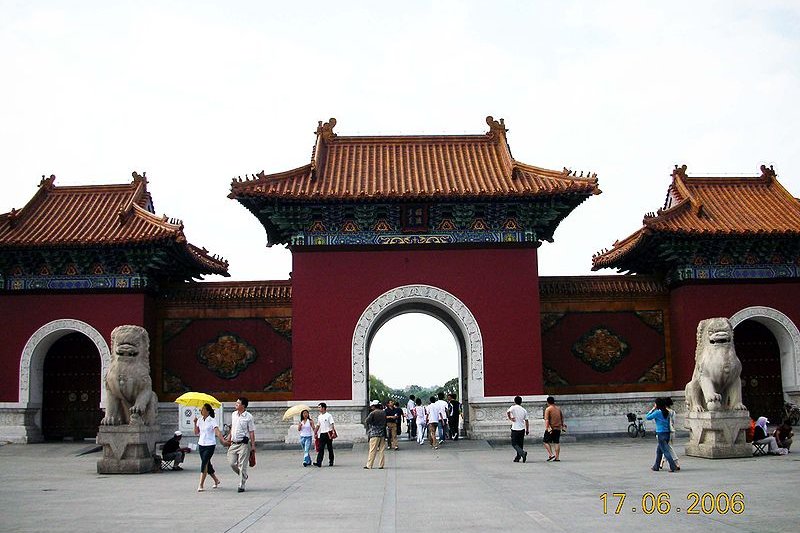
636,426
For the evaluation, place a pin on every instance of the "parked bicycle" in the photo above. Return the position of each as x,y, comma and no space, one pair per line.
636,426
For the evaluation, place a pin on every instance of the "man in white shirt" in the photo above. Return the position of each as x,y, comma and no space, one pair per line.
443,408
324,429
241,440
519,428
433,422
412,423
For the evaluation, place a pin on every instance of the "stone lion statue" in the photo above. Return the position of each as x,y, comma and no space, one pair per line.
130,398
715,384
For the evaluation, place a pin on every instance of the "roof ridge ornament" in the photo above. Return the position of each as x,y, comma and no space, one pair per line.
47,183
139,177
325,130
680,172
767,173
496,129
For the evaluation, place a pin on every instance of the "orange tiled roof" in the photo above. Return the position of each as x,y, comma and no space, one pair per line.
714,206
413,167
97,215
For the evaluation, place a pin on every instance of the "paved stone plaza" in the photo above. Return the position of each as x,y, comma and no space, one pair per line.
464,486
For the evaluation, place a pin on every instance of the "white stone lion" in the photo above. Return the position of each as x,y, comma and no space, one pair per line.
130,398
715,384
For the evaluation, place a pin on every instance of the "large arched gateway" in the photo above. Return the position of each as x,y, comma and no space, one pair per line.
448,225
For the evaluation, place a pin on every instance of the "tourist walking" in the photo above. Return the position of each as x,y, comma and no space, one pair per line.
376,433
442,420
306,428
421,418
519,428
660,414
454,416
326,433
432,416
394,419
207,430
410,419
669,403
553,426
242,439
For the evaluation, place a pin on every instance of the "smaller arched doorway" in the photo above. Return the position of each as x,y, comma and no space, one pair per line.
758,350
71,389
438,303
416,350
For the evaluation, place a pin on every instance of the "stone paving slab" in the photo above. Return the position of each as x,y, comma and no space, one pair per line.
464,486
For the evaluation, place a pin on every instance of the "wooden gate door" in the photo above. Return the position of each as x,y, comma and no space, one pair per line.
71,396
762,389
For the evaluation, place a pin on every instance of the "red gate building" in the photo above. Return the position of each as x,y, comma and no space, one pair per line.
379,226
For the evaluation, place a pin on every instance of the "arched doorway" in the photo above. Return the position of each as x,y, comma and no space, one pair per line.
435,302
415,353
758,350
71,389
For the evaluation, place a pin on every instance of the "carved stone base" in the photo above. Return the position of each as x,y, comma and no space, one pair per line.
718,435
127,449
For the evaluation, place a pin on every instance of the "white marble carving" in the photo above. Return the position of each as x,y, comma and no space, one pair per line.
31,364
424,295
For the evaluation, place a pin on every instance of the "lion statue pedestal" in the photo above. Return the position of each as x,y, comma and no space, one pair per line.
129,430
716,418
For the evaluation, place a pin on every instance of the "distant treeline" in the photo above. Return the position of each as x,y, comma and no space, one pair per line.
378,390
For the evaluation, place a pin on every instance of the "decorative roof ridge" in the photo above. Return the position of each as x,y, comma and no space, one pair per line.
240,183
45,187
606,284
564,173
605,255
276,292
203,254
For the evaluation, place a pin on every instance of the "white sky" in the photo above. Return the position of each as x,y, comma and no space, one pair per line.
196,93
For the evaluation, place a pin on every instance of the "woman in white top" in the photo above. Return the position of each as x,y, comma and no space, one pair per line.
207,428
306,428
422,420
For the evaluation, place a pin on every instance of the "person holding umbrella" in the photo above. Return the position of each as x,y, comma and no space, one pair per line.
207,429
307,428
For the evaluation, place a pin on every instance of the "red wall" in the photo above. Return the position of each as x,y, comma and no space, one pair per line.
181,355
689,304
646,347
22,314
330,290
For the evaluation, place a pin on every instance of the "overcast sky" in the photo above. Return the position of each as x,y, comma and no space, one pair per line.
197,93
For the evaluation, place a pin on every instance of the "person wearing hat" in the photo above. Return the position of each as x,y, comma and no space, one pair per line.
376,433
761,436
172,450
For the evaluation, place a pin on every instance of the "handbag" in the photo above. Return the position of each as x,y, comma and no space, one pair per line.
252,457
316,443
332,434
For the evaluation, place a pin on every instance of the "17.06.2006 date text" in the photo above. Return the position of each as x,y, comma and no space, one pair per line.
696,503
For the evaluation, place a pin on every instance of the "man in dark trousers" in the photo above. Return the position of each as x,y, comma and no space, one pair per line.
453,415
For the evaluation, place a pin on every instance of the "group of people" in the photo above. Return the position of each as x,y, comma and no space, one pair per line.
553,427
439,419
